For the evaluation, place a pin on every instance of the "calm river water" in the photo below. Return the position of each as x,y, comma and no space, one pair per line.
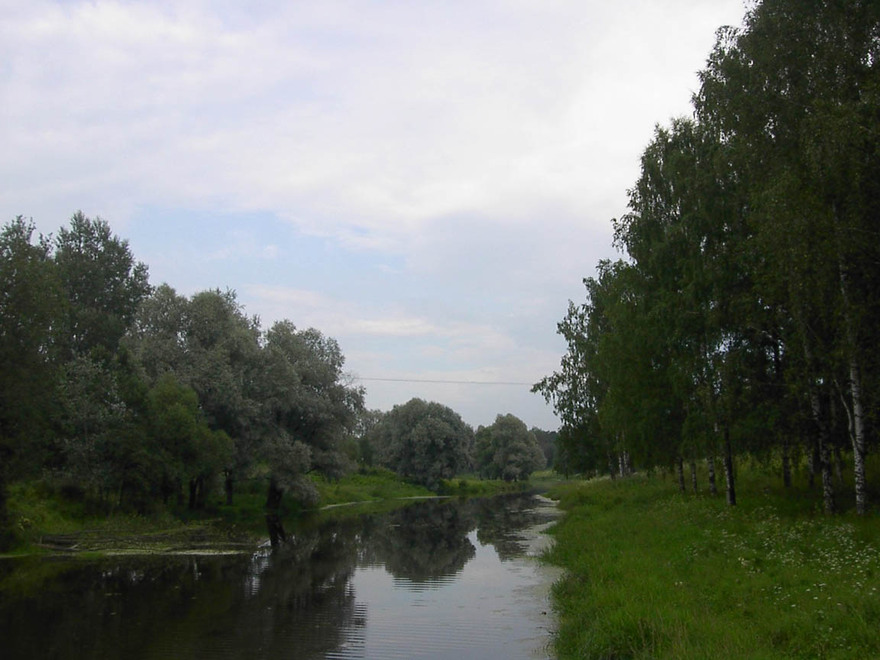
436,579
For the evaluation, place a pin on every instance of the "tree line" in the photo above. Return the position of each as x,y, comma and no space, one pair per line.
428,443
742,318
132,394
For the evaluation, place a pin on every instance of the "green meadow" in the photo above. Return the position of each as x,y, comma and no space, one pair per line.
653,573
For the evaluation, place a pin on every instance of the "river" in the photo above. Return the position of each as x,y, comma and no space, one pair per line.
434,579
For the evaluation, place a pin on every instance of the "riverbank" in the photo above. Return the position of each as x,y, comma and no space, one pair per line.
651,573
45,521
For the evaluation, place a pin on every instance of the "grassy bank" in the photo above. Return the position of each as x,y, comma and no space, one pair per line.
655,574
45,520
370,485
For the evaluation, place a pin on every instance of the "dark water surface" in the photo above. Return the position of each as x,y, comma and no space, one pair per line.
436,579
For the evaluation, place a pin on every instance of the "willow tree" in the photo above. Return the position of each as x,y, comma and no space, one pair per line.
424,441
208,343
309,411
507,450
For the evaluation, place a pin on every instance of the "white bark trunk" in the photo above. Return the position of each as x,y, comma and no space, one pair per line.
679,471
858,436
728,469
857,414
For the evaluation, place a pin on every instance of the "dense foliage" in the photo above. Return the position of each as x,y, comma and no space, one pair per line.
507,450
742,319
131,395
423,441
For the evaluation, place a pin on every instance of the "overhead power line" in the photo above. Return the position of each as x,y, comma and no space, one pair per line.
434,381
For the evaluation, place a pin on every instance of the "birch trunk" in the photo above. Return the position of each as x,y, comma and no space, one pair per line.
786,463
679,471
823,437
827,477
824,453
710,466
857,413
838,465
858,437
728,469
814,464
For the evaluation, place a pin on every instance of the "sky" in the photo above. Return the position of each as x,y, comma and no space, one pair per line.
428,182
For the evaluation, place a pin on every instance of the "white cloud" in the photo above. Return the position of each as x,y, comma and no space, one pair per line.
476,150
346,318
381,118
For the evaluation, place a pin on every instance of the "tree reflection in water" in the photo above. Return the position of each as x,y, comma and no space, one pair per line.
297,600
424,543
499,525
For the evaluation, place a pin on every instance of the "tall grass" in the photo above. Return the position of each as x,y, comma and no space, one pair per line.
368,485
652,573
38,512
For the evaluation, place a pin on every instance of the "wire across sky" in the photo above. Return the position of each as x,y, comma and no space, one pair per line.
443,382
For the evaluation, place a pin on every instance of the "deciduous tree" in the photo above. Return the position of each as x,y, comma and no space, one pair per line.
103,283
508,450
424,441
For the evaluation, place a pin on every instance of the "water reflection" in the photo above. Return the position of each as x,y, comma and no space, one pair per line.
353,587
424,543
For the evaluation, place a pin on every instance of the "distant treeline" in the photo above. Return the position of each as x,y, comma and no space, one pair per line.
131,394
744,317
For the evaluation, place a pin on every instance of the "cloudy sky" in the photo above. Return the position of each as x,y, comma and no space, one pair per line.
426,181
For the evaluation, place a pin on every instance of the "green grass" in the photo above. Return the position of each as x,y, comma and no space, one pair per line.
655,574
381,484
545,480
367,486
40,514
467,486
472,486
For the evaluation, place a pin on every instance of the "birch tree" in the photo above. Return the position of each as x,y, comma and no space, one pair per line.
794,93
